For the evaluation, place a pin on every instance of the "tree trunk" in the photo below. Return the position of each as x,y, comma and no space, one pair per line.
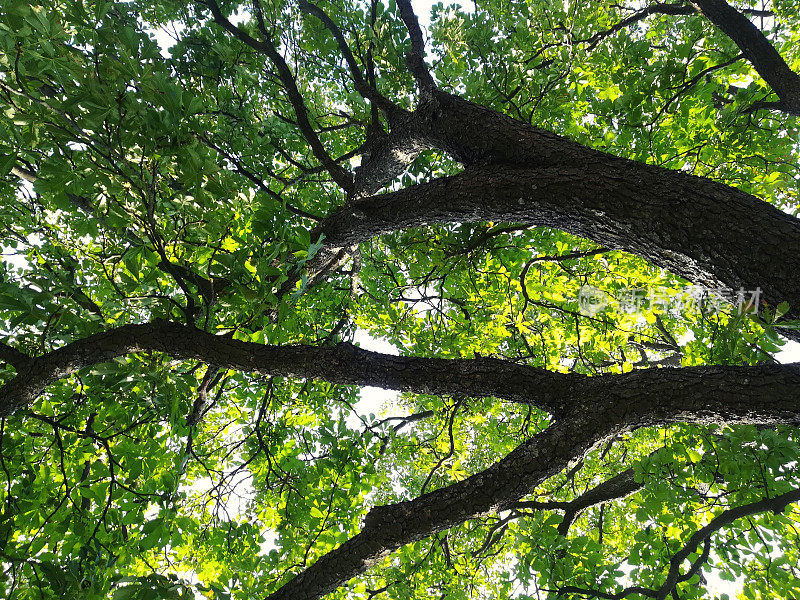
695,227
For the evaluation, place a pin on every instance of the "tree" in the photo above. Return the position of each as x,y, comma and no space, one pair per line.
194,239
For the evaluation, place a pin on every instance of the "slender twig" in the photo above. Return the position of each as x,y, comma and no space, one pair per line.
362,86
267,47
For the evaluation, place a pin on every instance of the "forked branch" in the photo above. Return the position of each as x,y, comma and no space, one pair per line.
267,47
617,487
362,86
702,536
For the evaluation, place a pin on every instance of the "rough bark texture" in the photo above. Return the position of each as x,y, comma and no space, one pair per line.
643,397
757,49
692,226
386,528
762,394
389,155
587,410
12,356
619,403
696,228
344,364
475,134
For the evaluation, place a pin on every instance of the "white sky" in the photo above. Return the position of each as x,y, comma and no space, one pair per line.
376,401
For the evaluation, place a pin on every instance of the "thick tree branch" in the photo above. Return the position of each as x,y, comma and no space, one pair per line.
475,134
588,409
386,528
763,394
13,357
757,49
389,155
416,58
694,227
346,364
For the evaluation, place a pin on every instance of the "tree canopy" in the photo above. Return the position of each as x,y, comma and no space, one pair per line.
573,222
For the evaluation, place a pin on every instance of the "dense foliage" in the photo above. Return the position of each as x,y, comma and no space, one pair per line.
159,165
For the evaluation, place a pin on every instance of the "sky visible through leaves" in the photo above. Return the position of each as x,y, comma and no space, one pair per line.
382,403
285,498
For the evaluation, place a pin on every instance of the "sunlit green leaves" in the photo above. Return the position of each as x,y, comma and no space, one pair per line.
176,184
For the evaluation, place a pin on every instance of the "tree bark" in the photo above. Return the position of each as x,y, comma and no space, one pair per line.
13,357
591,420
696,228
586,410
757,49
343,364
386,528
733,394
